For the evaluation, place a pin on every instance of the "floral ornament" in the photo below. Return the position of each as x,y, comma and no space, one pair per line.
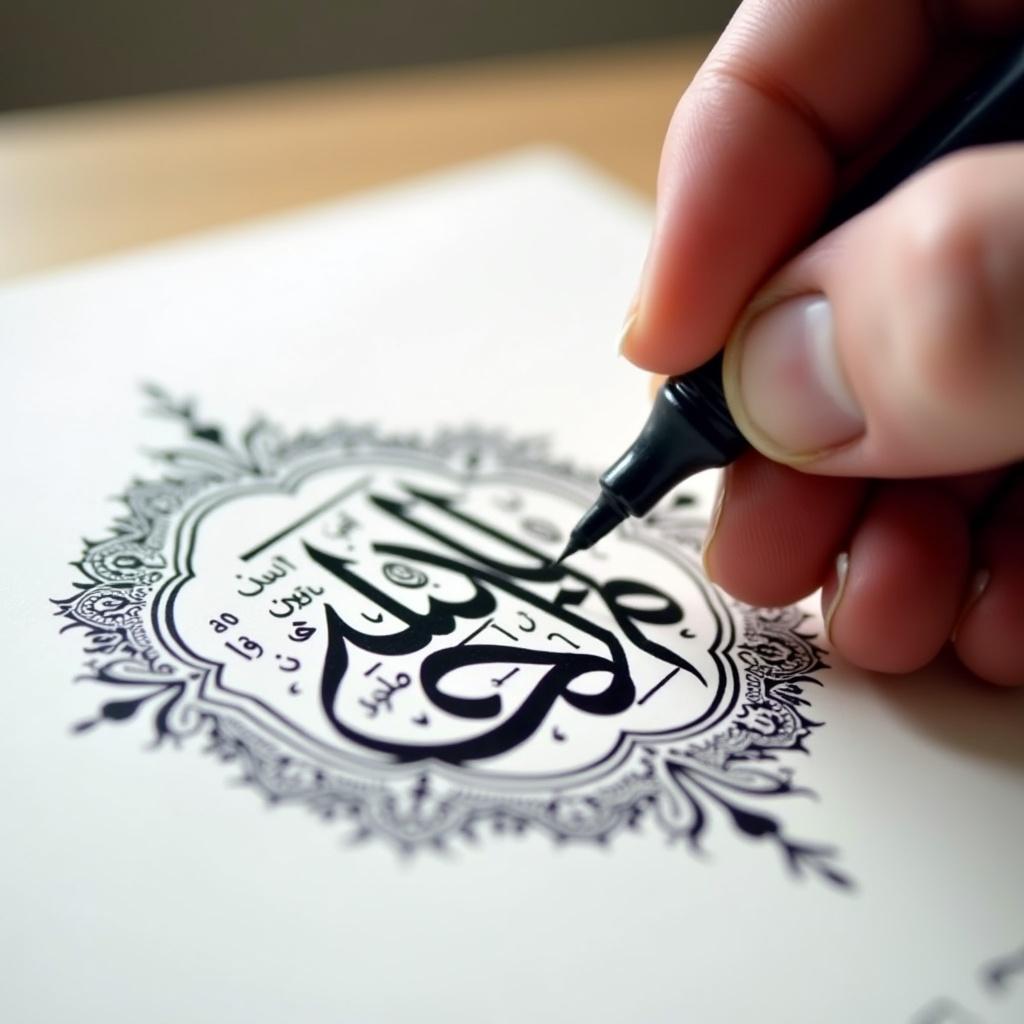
293,654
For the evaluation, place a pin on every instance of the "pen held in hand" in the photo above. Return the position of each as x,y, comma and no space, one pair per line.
690,427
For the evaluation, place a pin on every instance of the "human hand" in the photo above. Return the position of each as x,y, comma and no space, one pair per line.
880,373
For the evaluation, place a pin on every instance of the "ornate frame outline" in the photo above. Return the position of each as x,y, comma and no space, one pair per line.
678,784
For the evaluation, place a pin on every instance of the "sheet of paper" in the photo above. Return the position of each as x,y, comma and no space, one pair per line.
299,724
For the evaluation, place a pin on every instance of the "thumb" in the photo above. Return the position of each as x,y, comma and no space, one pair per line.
894,346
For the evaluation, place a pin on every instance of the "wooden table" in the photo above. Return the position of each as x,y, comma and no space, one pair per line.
82,181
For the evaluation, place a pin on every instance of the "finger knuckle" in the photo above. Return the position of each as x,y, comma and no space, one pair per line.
952,316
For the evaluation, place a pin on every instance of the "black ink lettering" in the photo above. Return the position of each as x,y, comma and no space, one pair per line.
657,686
476,632
520,725
300,597
345,492
439,620
542,572
249,593
342,527
612,593
301,632
570,596
403,575
560,636
505,678
232,647
381,698
251,645
279,568
626,616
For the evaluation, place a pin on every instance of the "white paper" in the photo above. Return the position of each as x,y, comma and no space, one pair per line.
555,865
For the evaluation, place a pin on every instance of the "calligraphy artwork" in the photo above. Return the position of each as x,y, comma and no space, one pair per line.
372,626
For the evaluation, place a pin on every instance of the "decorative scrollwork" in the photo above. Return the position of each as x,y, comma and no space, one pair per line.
731,770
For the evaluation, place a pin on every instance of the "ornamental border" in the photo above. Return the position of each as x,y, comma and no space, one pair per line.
682,787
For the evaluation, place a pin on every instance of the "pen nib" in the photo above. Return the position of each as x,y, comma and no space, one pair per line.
570,549
602,517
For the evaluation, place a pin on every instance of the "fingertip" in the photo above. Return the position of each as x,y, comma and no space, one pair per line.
776,531
894,607
987,637
715,236
917,367
664,350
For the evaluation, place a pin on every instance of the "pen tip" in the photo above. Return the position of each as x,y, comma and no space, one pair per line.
570,549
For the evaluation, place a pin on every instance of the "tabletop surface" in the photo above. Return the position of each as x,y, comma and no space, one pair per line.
84,181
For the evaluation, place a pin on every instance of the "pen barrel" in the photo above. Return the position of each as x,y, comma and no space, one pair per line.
700,397
987,109
689,429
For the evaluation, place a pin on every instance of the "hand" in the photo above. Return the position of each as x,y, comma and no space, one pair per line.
880,373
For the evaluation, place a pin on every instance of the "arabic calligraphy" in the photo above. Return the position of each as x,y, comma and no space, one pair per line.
278,569
300,597
413,594
301,632
489,577
381,698
374,625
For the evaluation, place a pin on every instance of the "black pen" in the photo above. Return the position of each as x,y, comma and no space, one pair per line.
690,427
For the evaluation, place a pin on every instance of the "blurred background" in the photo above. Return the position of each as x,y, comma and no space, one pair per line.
66,51
125,123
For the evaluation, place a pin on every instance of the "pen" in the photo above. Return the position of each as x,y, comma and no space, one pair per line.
690,427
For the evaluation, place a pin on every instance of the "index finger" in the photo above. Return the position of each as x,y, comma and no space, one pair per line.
791,91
